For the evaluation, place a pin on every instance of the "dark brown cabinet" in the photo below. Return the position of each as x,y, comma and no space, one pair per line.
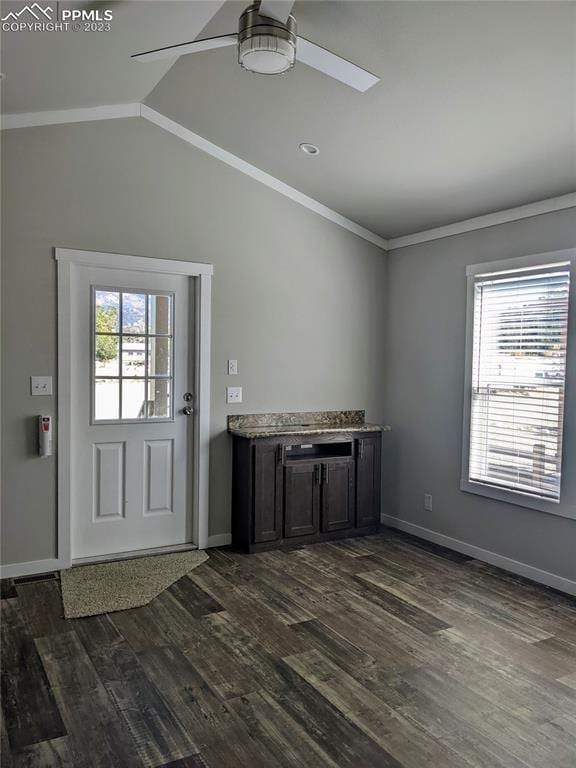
301,499
268,485
337,495
287,491
368,463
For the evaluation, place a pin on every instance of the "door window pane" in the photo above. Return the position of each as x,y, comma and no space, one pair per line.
106,399
160,314
133,312
107,305
134,356
133,349
159,398
159,357
106,355
133,399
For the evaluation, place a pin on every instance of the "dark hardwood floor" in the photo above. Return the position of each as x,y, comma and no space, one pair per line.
383,651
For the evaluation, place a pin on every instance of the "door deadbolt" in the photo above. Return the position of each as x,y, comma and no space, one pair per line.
188,397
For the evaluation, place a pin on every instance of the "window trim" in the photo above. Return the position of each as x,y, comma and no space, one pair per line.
519,498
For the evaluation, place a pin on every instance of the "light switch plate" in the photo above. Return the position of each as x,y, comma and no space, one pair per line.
232,367
40,385
233,395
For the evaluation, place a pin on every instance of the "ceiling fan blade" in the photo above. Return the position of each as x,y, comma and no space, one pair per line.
340,69
172,51
276,9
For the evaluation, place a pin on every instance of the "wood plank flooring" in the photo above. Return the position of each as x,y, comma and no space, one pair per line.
384,651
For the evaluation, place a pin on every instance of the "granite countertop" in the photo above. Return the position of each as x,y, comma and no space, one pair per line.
304,429
302,423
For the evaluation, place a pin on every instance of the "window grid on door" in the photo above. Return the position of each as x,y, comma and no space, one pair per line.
132,355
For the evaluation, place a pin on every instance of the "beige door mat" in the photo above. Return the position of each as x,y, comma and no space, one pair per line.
88,590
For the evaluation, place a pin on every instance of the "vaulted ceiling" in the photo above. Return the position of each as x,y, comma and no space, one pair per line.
475,110
63,70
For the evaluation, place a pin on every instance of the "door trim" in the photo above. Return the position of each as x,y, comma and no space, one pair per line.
68,262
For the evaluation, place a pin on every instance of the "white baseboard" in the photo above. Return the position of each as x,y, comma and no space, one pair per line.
15,570
220,540
506,563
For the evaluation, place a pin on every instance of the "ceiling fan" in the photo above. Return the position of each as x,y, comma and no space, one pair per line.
268,45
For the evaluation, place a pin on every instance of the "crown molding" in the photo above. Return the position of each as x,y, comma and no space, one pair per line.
61,116
116,111
176,129
489,220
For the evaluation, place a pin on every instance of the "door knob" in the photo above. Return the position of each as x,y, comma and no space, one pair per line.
187,410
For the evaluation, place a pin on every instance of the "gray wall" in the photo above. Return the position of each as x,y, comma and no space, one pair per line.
302,306
424,397
297,300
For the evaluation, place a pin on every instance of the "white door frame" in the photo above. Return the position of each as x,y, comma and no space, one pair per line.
70,260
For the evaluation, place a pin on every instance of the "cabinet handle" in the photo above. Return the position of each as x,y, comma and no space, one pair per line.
281,453
325,471
360,449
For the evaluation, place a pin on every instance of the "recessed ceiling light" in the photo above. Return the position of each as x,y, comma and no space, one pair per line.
309,149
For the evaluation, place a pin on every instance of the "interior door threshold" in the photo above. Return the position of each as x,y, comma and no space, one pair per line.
135,553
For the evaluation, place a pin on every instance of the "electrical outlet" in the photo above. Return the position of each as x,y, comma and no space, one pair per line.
428,502
233,395
232,367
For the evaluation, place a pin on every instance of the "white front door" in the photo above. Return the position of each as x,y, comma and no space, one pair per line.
131,383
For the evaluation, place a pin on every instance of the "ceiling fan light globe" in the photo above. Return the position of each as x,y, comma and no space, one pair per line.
266,54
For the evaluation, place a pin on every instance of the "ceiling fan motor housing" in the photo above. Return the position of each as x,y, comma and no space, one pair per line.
265,45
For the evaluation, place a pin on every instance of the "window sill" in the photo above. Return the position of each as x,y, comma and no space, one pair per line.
517,498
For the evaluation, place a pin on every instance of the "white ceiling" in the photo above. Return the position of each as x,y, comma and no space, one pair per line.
475,111
62,70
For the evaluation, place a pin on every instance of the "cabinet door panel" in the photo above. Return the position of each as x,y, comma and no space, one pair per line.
368,481
337,496
267,493
301,500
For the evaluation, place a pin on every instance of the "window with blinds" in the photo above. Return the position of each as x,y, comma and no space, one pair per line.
520,326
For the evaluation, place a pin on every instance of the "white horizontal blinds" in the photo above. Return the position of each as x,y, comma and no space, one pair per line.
519,365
